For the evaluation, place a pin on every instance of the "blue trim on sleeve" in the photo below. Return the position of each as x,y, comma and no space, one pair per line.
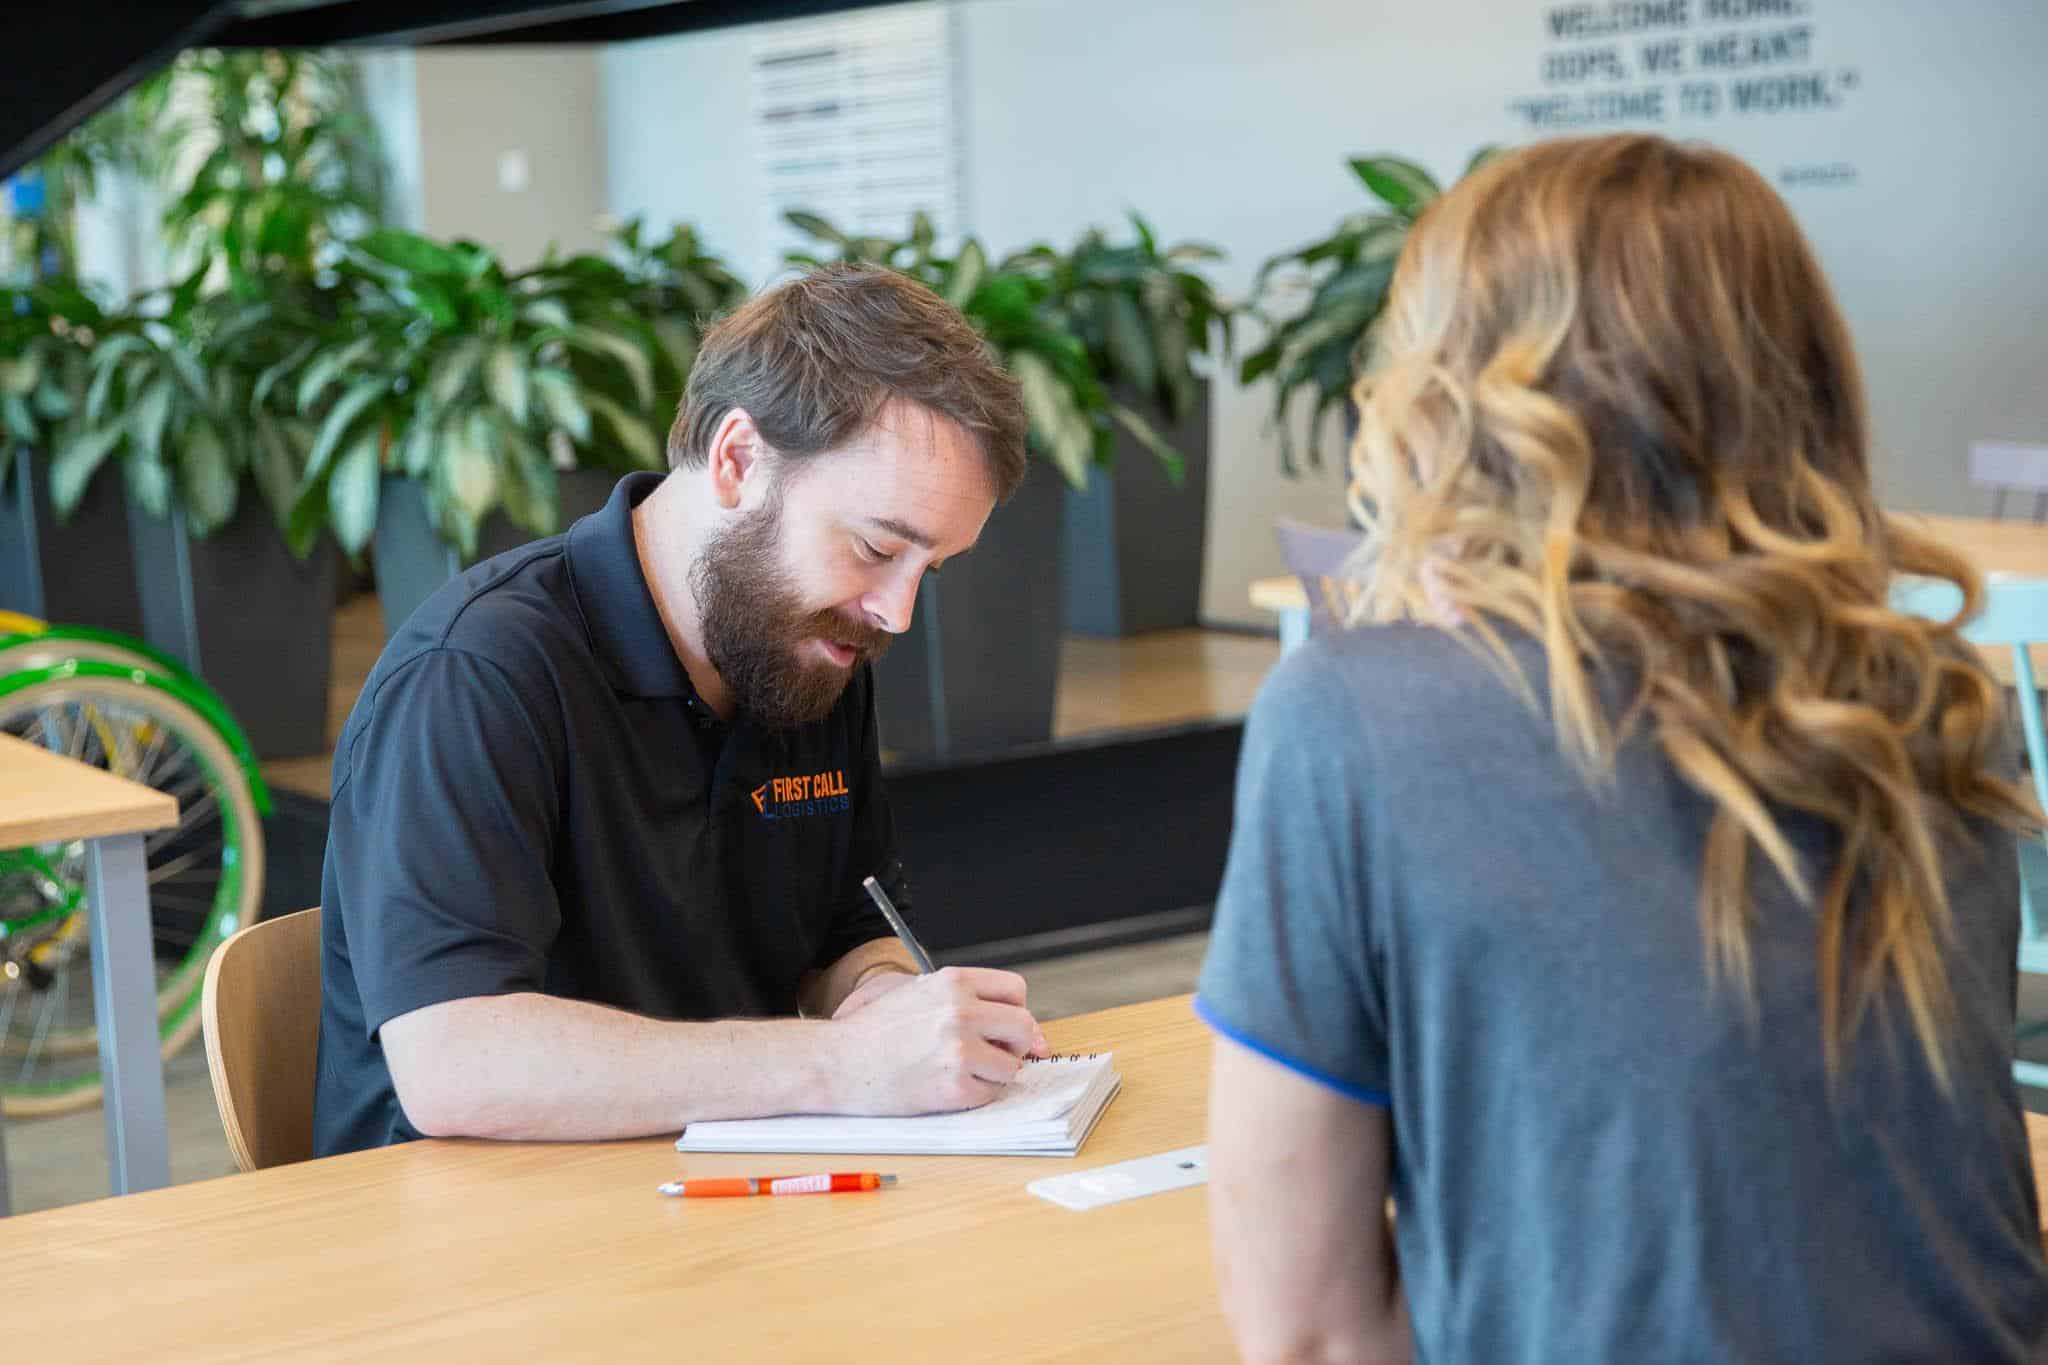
1208,1015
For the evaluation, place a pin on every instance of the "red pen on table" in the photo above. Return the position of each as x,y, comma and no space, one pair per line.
729,1186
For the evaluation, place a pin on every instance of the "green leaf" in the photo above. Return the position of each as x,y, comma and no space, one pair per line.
1485,154
1259,363
1147,239
1174,463
107,360
272,466
20,375
469,472
149,414
1130,344
506,379
75,462
970,268
680,343
562,402
597,341
635,437
267,380
813,225
416,449
1405,187
313,383
531,497
351,406
412,253
547,313
352,494
452,372
206,478
1064,435
17,421
149,485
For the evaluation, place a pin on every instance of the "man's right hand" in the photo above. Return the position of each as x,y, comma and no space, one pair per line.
949,1040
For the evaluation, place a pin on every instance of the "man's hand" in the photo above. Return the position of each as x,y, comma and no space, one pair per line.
877,983
925,1044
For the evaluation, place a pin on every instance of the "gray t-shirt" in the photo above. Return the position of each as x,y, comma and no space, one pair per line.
1597,1155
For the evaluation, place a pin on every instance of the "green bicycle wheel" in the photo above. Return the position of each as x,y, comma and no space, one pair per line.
205,875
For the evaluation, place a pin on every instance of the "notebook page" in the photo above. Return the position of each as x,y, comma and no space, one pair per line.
1041,1096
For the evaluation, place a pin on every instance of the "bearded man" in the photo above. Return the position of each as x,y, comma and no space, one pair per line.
602,813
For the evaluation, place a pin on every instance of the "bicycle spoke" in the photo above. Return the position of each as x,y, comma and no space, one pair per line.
158,749
209,805
179,866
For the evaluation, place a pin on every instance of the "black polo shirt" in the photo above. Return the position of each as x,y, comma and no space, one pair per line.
529,796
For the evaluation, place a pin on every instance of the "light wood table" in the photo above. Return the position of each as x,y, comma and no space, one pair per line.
473,1250
47,799
544,1252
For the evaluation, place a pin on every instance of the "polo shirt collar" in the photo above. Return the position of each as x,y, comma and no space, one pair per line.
618,610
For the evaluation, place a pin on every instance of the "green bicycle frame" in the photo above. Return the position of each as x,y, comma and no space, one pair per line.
178,684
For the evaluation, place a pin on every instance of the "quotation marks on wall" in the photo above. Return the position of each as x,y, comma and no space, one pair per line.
1658,61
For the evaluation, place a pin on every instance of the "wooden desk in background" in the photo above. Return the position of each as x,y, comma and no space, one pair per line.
544,1252
46,799
2016,549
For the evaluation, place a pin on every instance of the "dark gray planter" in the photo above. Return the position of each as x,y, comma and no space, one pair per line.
254,622
1133,541
412,560
978,668
79,572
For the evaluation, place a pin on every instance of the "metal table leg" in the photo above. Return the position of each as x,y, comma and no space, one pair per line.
124,1007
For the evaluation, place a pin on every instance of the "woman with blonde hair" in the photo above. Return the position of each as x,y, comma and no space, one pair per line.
1629,893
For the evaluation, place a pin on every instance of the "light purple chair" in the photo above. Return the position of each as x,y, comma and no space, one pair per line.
1313,554
2006,465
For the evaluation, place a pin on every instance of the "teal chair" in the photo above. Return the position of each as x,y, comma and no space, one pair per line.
2015,614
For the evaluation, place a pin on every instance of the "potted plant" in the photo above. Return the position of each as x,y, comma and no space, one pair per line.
166,401
472,389
1133,536
1319,345
72,565
995,615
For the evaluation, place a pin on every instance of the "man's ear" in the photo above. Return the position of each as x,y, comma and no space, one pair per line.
736,455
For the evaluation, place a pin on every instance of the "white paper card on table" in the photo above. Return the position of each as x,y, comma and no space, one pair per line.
1048,1110
1133,1179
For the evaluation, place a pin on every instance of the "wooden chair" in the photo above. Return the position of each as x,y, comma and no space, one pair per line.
262,1012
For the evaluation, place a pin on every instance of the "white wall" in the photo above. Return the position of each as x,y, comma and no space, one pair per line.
1230,122
541,106
677,139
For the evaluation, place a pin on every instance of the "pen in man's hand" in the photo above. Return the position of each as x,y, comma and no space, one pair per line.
881,899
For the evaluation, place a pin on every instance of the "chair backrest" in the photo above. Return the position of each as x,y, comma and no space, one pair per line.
262,1011
2006,465
2015,615
1314,554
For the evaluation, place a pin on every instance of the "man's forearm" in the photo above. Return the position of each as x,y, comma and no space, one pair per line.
542,1068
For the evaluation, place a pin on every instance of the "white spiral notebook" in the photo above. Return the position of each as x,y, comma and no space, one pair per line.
1048,1110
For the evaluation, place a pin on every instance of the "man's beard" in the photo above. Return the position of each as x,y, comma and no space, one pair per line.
754,625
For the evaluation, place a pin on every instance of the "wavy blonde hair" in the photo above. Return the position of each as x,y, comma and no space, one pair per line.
1615,407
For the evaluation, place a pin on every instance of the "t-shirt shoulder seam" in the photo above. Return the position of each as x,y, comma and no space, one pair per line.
455,617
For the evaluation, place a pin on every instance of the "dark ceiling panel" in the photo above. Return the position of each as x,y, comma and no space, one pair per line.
63,61
60,63
426,22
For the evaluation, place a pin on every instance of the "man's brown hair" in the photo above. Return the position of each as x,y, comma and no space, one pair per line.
814,361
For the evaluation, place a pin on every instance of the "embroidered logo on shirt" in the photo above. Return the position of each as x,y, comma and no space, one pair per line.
791,798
